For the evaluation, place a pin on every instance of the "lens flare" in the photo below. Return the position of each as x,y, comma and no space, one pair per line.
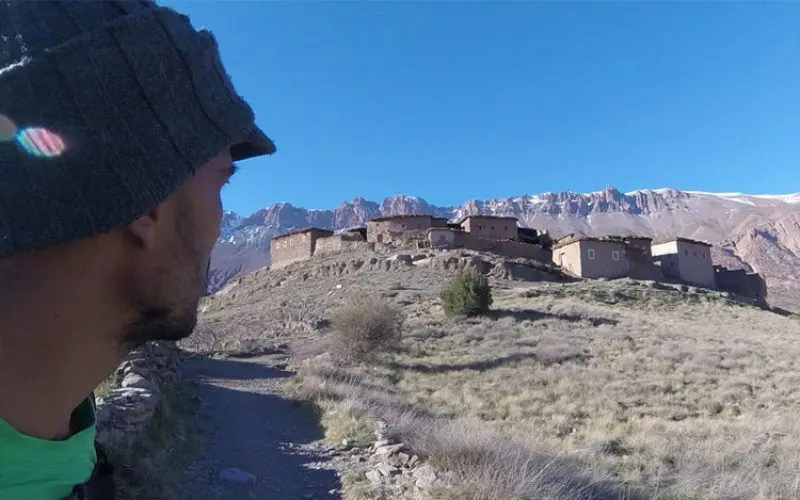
7,129
41,142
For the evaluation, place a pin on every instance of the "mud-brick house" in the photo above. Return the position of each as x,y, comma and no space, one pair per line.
685,260
490,227
402,228
590,257
295,246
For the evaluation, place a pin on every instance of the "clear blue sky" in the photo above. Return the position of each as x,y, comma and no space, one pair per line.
458,100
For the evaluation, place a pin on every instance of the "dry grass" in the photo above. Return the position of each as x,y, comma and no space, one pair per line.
592,390
785,298
364,326
105,387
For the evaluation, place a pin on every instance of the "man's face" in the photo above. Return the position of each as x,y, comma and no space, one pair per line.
170,270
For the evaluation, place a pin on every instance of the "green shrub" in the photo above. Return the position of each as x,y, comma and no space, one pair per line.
364,326
468,294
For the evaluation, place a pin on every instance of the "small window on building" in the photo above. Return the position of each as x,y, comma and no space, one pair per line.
686,252
480,227
695,254
590,253
492,228
615,255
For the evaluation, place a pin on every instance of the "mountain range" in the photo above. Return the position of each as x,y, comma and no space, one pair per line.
754,232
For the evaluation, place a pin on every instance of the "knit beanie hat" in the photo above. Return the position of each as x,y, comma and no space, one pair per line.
106,109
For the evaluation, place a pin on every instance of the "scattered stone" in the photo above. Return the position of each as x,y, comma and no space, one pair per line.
396,261
137,381
388,449
425,477
324,358
387,470
374,476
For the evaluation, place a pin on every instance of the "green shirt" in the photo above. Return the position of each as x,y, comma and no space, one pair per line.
38,469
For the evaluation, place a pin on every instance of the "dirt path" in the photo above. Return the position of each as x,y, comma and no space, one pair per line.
260,443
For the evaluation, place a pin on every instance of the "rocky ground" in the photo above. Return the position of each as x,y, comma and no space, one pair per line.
261,444
292,303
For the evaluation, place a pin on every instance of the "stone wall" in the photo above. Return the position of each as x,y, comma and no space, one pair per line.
505,248
346,242
402,229
515,249
442,237
742,283
143,379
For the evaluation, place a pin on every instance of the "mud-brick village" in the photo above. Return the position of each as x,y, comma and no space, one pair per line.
674,259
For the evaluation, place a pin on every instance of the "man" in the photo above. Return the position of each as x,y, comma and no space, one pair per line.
118,129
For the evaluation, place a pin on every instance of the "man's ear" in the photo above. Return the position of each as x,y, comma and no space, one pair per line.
144,230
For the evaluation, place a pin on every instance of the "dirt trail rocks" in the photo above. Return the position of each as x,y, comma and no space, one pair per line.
260,444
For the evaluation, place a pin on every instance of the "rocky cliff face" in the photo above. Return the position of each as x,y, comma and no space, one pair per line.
762,232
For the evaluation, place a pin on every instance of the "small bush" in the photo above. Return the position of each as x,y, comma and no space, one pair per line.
364,326
468,294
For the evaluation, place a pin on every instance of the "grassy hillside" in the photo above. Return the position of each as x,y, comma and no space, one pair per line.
595,389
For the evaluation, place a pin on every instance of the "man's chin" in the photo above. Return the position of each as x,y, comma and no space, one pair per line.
175,334
160,324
